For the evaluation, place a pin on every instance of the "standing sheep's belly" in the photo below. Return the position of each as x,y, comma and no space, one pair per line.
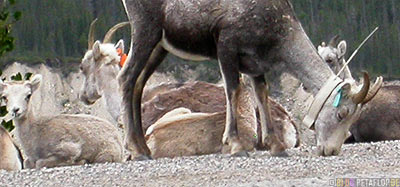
193,35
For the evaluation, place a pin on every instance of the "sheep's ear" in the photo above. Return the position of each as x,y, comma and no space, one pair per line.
96,50
120,45
319,48
35,82
342,48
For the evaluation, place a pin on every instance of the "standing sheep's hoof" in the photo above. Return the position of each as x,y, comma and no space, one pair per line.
279,151
275,146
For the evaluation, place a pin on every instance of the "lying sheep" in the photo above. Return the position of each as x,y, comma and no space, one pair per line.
10,156
58,140
182,133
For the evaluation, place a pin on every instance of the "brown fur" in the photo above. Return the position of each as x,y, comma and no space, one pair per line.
196,96
180,133
209,98
380,119
150,93
196,134
10,156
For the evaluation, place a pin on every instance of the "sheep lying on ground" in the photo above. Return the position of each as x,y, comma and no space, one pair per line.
10,156
58,140
183,133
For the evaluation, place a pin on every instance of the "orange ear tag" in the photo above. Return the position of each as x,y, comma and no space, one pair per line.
122,56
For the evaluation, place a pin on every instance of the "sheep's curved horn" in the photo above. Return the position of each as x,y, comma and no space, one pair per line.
374,89
91,34
110,33
334,41
360,96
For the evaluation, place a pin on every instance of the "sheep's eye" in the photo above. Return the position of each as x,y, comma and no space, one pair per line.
28,96
343,112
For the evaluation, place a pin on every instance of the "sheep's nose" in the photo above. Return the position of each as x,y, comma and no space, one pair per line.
15,110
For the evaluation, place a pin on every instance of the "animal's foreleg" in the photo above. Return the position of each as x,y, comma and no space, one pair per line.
269,137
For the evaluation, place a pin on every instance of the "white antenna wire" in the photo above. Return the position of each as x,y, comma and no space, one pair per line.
355,52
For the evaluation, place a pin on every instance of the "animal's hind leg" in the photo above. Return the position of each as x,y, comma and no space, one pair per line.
64,154
144,40
107,156
229,65
269,138
154,61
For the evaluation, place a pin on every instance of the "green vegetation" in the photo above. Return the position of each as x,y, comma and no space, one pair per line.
8,18
56,31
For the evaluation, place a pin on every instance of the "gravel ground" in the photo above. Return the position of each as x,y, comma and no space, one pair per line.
301,168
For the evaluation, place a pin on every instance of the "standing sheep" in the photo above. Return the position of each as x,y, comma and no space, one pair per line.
58,140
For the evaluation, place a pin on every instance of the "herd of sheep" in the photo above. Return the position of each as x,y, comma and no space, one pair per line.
177,129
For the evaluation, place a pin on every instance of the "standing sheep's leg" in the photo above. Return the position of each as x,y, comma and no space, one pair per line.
229,65
259,144
154,61
157,56
269,138
144,40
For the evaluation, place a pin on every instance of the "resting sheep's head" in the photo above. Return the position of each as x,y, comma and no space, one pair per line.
333,53
100,64
17,95
335,118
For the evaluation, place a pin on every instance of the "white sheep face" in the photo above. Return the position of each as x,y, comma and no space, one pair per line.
17,95
332,55
98,66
